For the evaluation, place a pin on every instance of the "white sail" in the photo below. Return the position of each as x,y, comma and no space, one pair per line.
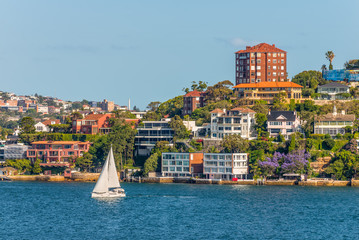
102,182
112,172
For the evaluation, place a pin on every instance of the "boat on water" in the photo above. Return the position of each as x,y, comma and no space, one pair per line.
108,185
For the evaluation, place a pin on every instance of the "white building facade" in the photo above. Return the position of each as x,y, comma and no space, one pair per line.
226,166
239,121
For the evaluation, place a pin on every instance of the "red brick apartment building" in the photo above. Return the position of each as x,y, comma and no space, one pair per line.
192,101
57,153
261,63
92,124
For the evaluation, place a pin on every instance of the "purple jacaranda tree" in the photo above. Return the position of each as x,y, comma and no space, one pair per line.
295,162
270,165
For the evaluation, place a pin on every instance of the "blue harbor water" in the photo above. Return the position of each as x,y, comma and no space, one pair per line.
40,210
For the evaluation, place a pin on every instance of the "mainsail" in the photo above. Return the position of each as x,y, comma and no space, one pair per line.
112,172
102,182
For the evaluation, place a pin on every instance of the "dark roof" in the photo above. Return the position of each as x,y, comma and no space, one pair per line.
289,115
334,84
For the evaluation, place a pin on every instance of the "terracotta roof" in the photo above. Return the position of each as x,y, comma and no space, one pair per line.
49,122
59,142
262,47
217,110
244,110
268,85
194,93
96,116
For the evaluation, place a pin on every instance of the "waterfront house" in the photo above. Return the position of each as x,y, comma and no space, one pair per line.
333,123
283,122
225,166
57,153
13,151
333,91
235,121
182,164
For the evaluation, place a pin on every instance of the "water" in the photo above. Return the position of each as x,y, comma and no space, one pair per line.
40,210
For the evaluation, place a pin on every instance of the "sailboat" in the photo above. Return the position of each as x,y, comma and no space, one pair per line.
108,185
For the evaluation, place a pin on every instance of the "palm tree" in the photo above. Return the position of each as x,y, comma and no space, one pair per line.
330,56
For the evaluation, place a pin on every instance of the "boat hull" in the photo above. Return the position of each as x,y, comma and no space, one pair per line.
115,193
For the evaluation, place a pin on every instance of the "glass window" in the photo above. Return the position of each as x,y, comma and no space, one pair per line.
179,163
165,162
179,169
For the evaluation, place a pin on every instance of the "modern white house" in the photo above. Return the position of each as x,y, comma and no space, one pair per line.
176,164
225,165
239,121
284,122
149,133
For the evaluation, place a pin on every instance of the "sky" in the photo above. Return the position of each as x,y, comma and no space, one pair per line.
150,50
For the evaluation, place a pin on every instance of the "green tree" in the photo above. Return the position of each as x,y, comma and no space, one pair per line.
84,162
180,131
153,106
22,165
27,125
171,107
219,91
328,143
292,144
151,164
330,56
280,102
75,116
309,80
234,144
36,168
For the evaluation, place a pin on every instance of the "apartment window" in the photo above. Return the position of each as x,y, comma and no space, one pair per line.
269,60
269,54
258,73
247,68
241,62
282,73
282,61
252,80
228,128
220,128
252,55
274,67
269,79
274,74
252,73
247,61
252,61
274,54
258,61
274,60
282,54
289,123
258,80
269,73
259,54
236,128
165,163
241,75
252,67
269,67
258,67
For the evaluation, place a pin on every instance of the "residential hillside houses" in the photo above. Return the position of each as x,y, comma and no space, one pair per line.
333,123
333,91
57,153
151,132
192,101
239,121
44,126
266,91
182,164
283,122
92,124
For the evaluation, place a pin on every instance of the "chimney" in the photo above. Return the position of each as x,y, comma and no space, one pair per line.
248,47
273,45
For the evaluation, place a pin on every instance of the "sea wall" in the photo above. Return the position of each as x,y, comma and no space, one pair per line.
38,178
84,177
281,182
331,183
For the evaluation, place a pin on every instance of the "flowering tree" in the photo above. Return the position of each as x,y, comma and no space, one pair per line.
269,166
295,162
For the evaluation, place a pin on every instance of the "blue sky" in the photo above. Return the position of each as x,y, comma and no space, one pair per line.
150,50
